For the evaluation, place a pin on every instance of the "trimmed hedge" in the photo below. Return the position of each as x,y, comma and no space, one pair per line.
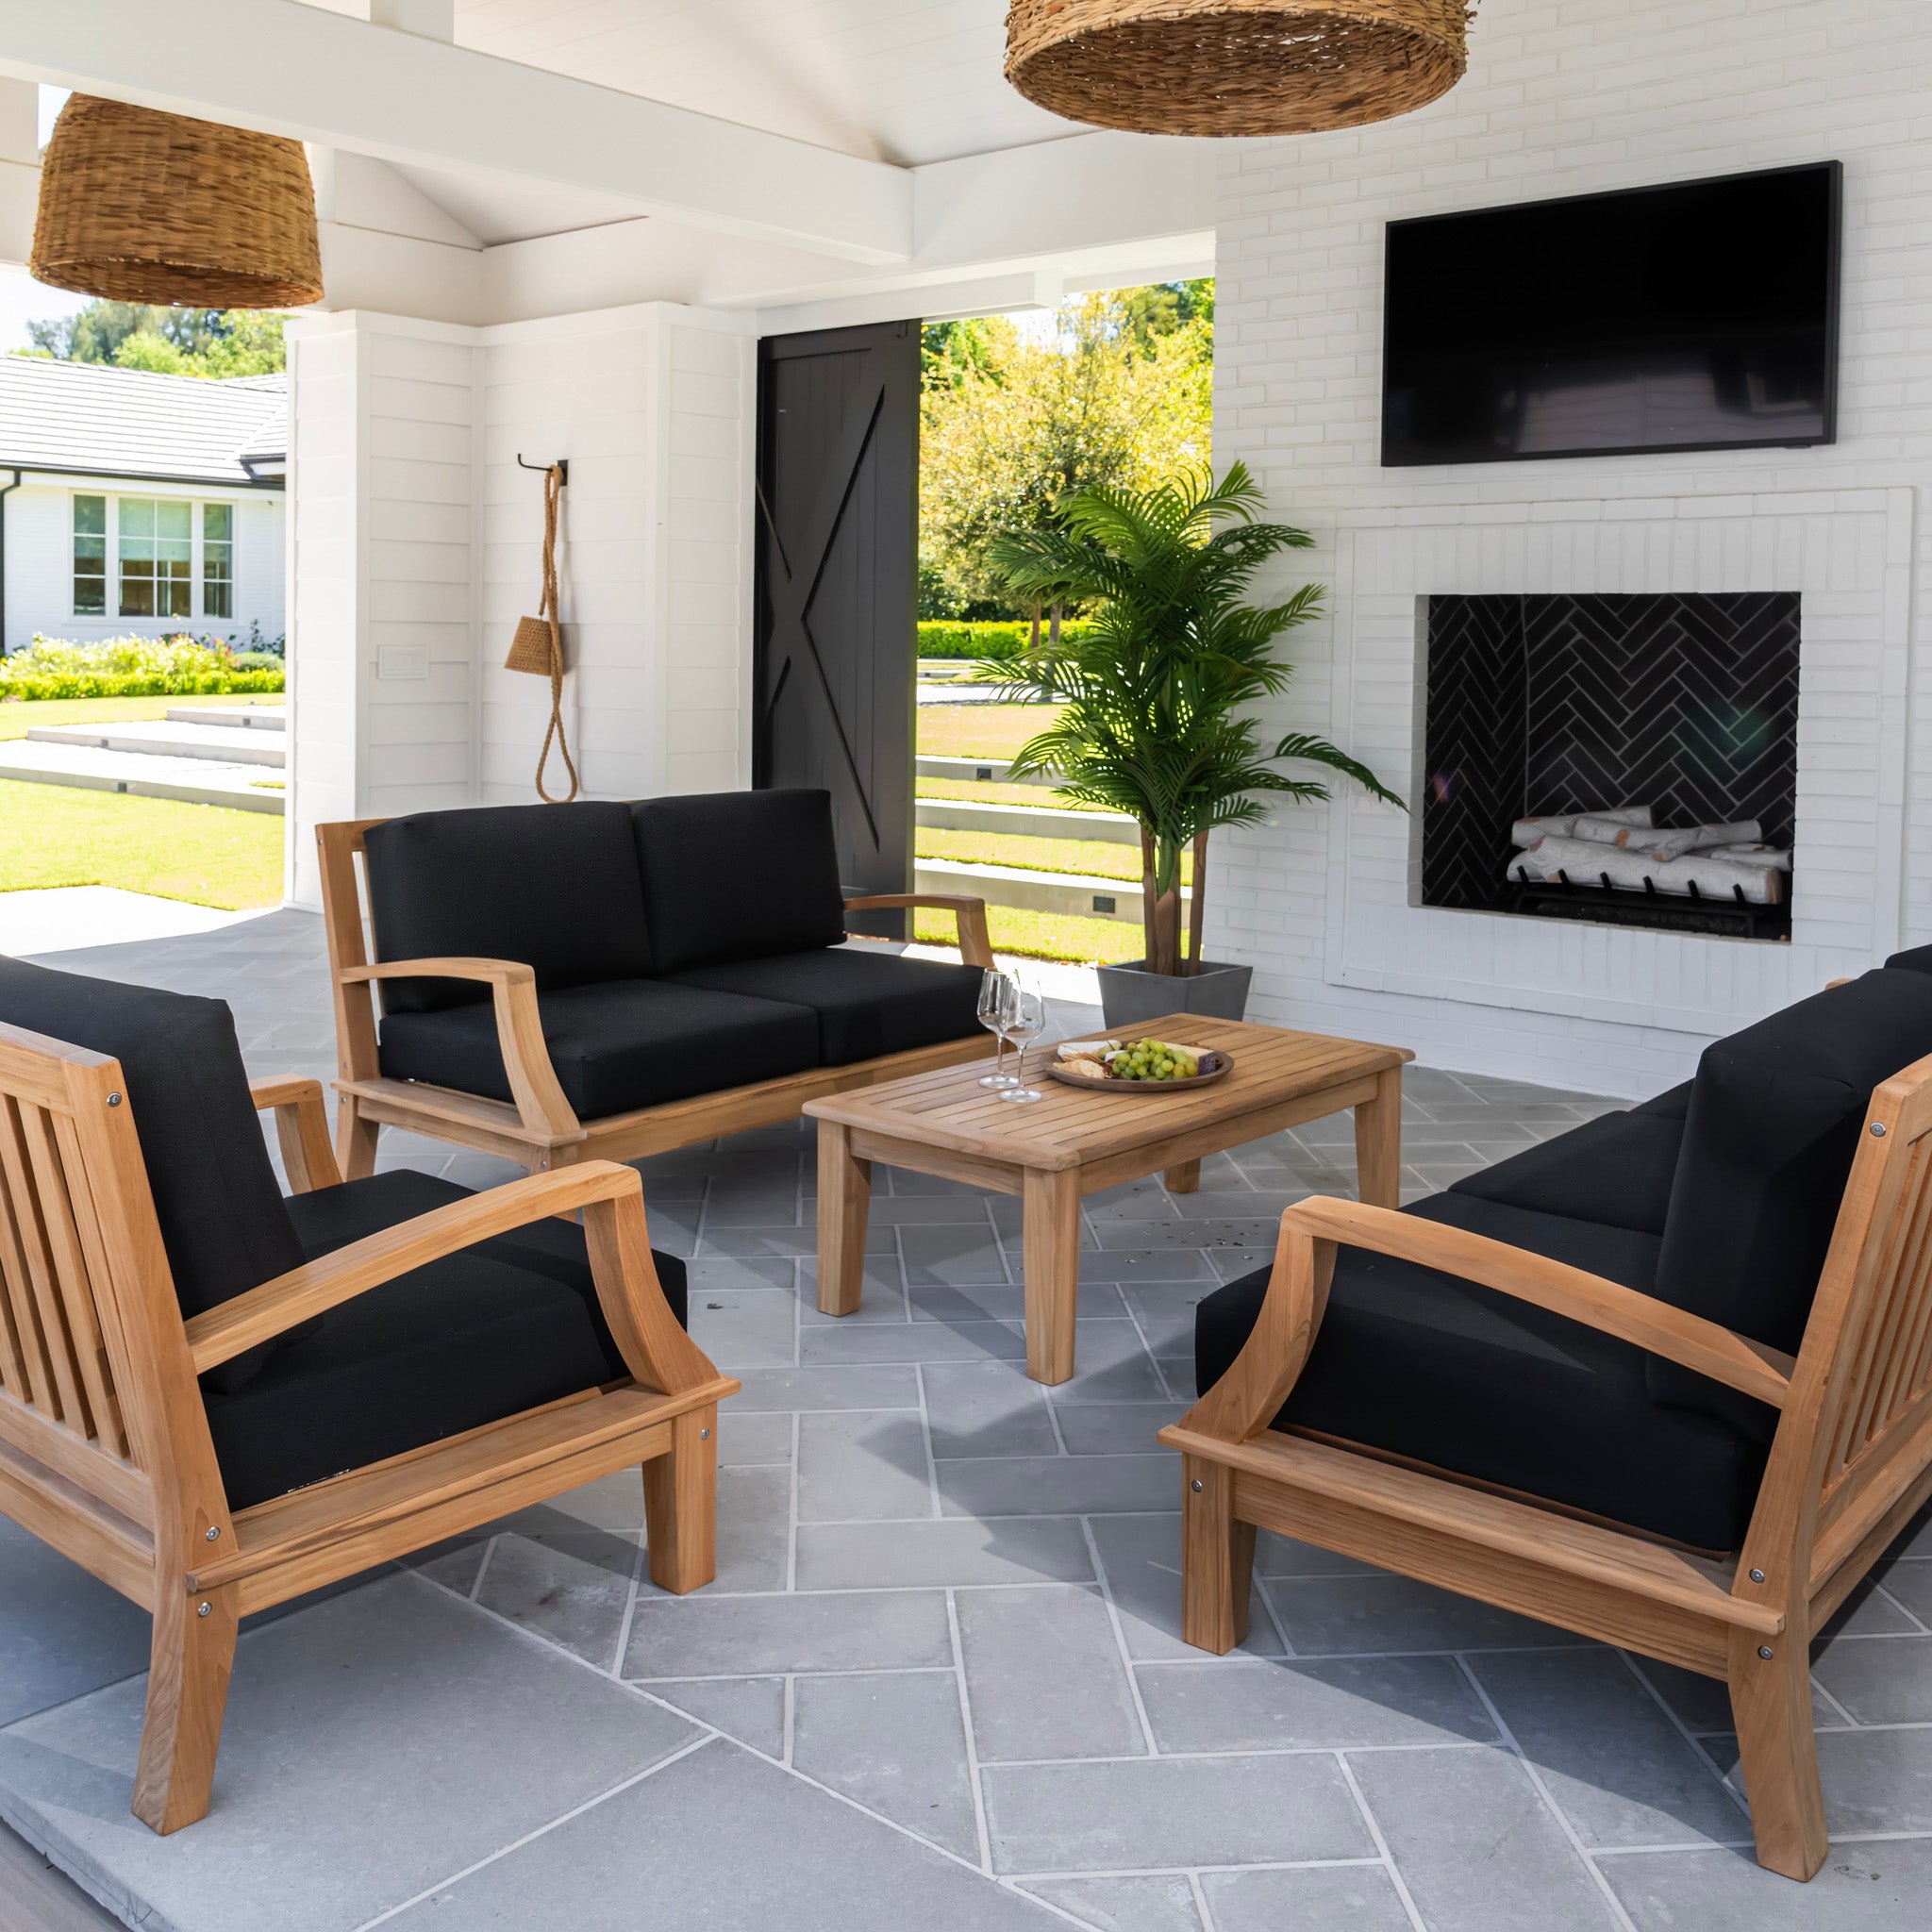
135,668
976,641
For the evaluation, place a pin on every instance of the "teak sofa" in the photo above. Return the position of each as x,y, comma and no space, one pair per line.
216,1399
1665,1381
561,983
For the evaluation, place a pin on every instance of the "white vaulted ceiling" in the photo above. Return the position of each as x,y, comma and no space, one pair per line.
908,81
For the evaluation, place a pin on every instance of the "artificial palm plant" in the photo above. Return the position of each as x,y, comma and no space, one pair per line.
1155,692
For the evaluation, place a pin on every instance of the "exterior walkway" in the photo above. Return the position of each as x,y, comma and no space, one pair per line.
938,1681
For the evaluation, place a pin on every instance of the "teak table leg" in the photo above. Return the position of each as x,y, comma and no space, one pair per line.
1378,1143
844,1202
1050,1252
1184,1178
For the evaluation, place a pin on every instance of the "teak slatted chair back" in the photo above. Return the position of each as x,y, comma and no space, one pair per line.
1850,1465
539,1128
104,1448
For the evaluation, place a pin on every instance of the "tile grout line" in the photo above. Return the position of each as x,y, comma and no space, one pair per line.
792,1530
1683,1730
1120,1638
630,1609
1384,1856
932,1468
966,1727
1200,1898
789,1732
1542,1790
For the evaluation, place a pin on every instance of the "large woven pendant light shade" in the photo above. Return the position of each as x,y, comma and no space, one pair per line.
1235,66
138,206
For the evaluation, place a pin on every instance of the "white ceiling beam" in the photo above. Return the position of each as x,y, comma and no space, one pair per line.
323,77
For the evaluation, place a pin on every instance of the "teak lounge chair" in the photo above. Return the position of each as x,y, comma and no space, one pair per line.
561,983
1665,1381
216,1400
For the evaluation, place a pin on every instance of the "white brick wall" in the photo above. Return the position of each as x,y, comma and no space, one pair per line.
40,562
1566,97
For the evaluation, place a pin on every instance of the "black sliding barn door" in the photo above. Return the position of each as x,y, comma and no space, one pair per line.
837,570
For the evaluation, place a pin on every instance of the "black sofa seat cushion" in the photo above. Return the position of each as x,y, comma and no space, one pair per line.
1615,1171
867,1003
1776,1117
554,886
631,1044
475,1338
738,876
1429,1366
1672,1104
222,1220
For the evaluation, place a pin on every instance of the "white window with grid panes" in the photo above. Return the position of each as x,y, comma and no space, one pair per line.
153,558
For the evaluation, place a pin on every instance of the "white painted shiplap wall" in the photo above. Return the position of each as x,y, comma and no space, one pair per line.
417,544
1564,99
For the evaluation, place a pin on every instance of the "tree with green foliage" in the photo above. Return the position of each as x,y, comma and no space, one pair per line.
1152,692
1011,423
211,343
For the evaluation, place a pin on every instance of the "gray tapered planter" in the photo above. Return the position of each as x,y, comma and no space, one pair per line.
1130,994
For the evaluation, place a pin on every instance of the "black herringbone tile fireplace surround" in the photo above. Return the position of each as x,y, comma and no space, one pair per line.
1540,705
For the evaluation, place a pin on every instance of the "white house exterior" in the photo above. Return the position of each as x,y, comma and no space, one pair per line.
142,505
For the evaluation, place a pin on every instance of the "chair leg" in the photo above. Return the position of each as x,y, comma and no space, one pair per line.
187,1697
1770,1702
356,1138
681,1505
1217,1560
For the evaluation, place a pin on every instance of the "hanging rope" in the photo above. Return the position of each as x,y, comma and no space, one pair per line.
537,646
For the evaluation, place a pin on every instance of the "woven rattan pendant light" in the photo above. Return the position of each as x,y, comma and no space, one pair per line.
138,206
1235,66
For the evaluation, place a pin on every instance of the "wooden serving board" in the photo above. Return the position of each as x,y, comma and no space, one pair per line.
1214,1066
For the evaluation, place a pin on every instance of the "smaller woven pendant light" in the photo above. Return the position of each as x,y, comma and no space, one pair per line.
138,206
1235,67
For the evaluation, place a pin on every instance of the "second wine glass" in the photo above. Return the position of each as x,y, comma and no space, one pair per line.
1025,1020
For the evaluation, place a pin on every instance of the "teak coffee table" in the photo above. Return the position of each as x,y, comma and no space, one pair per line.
1077,1141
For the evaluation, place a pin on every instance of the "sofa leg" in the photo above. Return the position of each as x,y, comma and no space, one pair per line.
187,1697
356,1138
1217,1558
1770,1702
681,1505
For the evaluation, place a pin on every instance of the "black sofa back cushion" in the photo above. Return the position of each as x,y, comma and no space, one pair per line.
553,886
1774,1125
739,876
222,1216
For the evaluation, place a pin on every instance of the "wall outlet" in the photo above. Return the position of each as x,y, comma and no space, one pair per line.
402,661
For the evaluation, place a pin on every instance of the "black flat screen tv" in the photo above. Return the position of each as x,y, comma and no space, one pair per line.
1702,315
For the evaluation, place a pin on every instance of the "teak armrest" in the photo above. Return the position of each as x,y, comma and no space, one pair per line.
302,1131
1245,1400
539,1101
968,914
263,1312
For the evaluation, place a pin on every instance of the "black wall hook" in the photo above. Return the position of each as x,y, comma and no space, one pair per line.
561,466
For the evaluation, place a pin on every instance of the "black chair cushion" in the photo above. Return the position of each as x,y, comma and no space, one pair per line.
633,1042
867,1003
222,1216
554,886
1917,959
1615,1171
1775,1121
1429,1366
739,876
502,1328
1672,1104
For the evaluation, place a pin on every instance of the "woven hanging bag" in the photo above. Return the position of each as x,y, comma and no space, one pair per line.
537,647
1235,67
138,206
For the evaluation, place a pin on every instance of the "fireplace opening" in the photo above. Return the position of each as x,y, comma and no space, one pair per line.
1622,760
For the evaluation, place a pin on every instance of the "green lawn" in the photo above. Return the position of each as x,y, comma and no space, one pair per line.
982,792
209,854
980,731
15,717
1042,934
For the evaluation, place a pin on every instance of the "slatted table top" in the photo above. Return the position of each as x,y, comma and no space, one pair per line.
1075,1126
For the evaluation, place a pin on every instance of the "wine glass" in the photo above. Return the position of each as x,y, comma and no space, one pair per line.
995,991
1025,1020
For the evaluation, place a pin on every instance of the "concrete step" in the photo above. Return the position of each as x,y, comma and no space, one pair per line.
1076,893
263,717
223,745
976,770
193,780
1032,821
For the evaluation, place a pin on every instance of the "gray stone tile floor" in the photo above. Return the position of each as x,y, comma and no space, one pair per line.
938,1681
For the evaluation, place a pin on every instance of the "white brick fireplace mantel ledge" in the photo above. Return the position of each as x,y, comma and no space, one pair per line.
1848,554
